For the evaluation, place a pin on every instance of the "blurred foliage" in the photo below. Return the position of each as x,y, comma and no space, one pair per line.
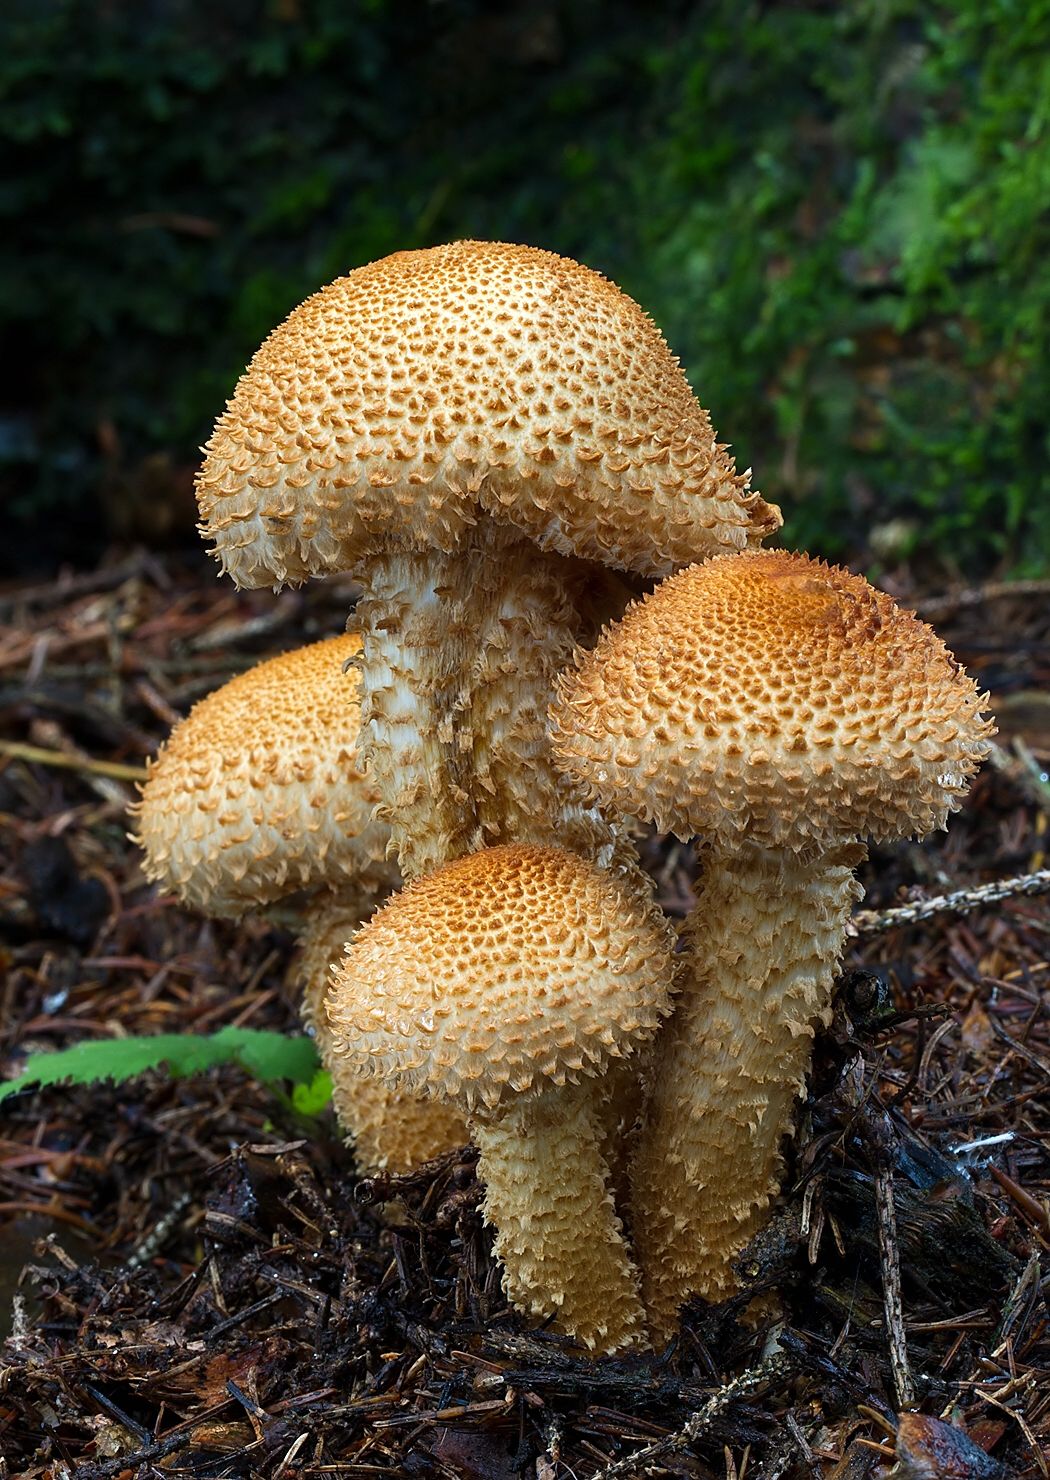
836,213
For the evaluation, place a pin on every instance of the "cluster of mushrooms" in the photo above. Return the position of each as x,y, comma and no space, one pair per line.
497,442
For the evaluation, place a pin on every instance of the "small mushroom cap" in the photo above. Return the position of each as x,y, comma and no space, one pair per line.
416,392
771,697
258,792
507,970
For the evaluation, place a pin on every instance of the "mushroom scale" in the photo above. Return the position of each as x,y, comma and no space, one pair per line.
504,983
434,420
782,710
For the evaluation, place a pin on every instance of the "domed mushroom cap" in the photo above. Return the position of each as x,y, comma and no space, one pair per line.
771,697
506,970
414,392
258,792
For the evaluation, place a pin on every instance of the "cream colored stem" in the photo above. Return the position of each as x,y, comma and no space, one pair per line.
532,629
460,652
558,1236
624,1090
419,619
766,936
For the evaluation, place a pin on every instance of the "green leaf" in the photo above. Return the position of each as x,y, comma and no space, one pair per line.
265,1056
314,1097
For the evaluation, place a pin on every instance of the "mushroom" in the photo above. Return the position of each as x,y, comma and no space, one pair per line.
503,983
781,710
256,797
461,427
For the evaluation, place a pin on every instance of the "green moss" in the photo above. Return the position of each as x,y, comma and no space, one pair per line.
837,214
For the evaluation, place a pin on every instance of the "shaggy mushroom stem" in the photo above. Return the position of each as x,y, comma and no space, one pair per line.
765,940
418,618
537,609
562,1240
460,651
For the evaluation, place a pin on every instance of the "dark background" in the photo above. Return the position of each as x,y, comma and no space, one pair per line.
837,214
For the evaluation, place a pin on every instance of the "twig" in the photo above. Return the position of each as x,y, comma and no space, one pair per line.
132,1425
889,1256
243,1315
54,593
942,606
1033,771
642,1460
15,750
960,902
1021,1304
802,1443
1021,1049
155,1239
227,634
1022,768
1030,1206
127,1461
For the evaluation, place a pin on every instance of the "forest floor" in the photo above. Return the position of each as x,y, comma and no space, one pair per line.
210,1290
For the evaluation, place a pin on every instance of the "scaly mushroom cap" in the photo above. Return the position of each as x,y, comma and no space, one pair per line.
771,697
258,792
501,972
413,393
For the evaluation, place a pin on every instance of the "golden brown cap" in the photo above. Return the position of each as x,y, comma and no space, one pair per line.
771,697
503,971
258,792
413,393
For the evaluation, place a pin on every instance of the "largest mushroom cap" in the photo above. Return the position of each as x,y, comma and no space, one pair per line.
502,972
414,393
259,792
768,696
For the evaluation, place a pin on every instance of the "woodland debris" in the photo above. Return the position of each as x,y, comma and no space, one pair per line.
181,1274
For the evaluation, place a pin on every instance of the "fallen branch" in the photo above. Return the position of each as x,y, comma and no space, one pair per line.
959,902
642,1460
935,607
889,1257
65,588
15,750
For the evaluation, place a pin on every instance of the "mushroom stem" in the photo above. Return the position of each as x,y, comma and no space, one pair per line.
534,624
460,650
419,617
558,1236
766,936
